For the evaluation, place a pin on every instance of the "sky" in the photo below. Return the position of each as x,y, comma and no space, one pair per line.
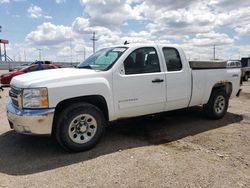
62,29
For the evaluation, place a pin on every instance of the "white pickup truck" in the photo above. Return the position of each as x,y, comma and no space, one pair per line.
75,104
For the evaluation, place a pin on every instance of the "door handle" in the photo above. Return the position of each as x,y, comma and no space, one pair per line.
157,80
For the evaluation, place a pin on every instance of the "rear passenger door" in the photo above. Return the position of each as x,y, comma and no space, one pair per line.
139,84
178,76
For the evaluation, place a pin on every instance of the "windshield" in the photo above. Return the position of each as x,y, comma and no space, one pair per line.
104,59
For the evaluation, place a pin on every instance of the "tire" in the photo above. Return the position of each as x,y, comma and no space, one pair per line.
79,127
245,78
217,105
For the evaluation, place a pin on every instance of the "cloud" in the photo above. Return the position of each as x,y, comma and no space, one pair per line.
49,34
106,37
81,25
195,25
37,12
169,4
210,39
8,1
109,13
4,1
225,5
60,1
243,30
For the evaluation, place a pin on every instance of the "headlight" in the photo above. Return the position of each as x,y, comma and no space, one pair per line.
35,98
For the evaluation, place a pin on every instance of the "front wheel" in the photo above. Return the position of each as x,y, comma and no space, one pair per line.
80,127
217,105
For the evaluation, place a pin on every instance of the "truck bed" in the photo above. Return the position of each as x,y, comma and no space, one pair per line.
207,64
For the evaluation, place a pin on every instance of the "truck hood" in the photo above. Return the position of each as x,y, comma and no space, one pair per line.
47,78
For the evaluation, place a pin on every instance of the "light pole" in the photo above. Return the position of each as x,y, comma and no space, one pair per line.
39,53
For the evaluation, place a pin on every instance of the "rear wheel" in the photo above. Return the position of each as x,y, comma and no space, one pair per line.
80,127
217,105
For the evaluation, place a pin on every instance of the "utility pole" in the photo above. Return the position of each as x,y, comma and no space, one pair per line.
24,55
94,39
214,51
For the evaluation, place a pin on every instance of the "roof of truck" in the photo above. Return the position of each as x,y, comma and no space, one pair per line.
146,44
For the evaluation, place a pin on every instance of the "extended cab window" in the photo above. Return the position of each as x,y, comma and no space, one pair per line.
142,60
172,59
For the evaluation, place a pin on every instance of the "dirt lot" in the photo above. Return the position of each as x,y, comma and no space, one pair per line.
176,149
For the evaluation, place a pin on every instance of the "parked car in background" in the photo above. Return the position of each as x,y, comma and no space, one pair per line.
245,68
233,64
25,65
6,78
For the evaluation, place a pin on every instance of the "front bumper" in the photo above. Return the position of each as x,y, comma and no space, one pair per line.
30,121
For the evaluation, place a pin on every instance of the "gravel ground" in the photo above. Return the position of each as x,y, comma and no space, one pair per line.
174,149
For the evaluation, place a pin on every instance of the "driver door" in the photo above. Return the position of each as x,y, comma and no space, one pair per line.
139,84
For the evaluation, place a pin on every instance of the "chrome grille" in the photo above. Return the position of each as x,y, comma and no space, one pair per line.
15,95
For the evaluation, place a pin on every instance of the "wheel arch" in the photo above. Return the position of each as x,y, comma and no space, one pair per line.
96,100
227,86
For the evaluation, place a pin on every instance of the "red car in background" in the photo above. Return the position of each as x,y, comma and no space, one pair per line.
6,78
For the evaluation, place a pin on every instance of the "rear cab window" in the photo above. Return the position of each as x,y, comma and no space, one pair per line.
172,59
